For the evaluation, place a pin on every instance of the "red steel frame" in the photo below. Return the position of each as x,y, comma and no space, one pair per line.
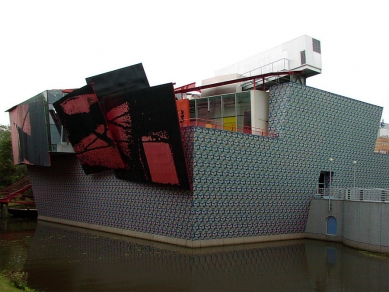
184,89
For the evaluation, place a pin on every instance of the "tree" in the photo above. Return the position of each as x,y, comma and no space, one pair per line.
9,173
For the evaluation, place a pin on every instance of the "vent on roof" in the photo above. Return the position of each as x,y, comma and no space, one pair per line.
316,46
302,55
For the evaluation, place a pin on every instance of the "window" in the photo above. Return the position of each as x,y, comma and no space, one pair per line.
228,112
243,112
231,112
192,108
316,46
202,110
302,55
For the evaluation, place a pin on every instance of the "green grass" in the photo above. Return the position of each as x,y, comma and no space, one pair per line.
6,286
14,281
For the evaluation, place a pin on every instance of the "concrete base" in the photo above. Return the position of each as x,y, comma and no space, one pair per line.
371,235
360,224
177,241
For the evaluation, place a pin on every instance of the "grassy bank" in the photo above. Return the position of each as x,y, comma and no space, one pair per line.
15,281
6,286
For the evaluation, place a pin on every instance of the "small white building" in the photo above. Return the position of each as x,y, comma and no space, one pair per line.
302,53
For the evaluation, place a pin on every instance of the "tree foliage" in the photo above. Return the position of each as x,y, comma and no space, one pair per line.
9,173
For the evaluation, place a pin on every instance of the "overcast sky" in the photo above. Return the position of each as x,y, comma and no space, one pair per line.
57,44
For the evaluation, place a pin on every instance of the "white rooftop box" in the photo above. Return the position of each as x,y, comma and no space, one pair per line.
302,53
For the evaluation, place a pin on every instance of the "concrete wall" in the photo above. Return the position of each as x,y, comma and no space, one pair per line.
259,110
317,219
363,225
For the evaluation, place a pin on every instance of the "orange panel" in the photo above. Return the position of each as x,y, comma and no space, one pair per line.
183,112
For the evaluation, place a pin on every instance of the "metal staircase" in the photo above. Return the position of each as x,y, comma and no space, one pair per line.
16,195
18,188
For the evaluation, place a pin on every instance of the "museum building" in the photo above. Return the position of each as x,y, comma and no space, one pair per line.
235,160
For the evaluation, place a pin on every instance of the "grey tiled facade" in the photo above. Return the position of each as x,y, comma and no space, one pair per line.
242,185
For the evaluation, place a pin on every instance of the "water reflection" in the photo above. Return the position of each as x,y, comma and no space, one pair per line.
16,236
62,258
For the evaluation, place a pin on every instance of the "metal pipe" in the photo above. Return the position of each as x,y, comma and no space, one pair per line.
354,168
329,195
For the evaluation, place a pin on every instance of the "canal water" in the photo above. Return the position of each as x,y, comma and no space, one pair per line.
63,258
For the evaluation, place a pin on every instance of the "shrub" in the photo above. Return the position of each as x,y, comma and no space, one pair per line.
18,278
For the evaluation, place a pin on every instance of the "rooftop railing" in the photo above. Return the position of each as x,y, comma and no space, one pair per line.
276,66
354,194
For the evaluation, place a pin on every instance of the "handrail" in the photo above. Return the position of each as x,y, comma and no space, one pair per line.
213,124
12,195
239,80
355,194
16,186
248,73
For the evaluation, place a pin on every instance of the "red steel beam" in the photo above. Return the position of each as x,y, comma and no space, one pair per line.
262,76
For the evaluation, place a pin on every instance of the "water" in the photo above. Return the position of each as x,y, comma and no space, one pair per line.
63,258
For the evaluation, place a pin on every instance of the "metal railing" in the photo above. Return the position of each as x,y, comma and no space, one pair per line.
276,66
214,124
354,194
14,187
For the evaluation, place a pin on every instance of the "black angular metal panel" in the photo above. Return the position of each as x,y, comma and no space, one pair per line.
125,79
145,126
87,130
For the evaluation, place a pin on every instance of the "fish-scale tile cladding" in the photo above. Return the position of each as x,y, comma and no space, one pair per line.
64,191
242,185
247,185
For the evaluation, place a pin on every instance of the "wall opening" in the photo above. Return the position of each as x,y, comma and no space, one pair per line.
332,225
324,182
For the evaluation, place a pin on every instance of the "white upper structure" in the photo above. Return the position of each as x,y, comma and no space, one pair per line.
302,53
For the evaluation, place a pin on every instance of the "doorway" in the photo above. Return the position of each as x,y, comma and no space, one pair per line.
332,225
324,182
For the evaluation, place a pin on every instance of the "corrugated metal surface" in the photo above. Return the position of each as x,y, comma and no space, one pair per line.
30,142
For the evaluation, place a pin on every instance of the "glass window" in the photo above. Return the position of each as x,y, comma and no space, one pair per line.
54,135
202,111
228,112
243,112
316,46
229,105
192,109
215,112
54,95
303,59
215,107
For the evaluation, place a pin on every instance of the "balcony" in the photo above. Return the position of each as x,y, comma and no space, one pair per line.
354,194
